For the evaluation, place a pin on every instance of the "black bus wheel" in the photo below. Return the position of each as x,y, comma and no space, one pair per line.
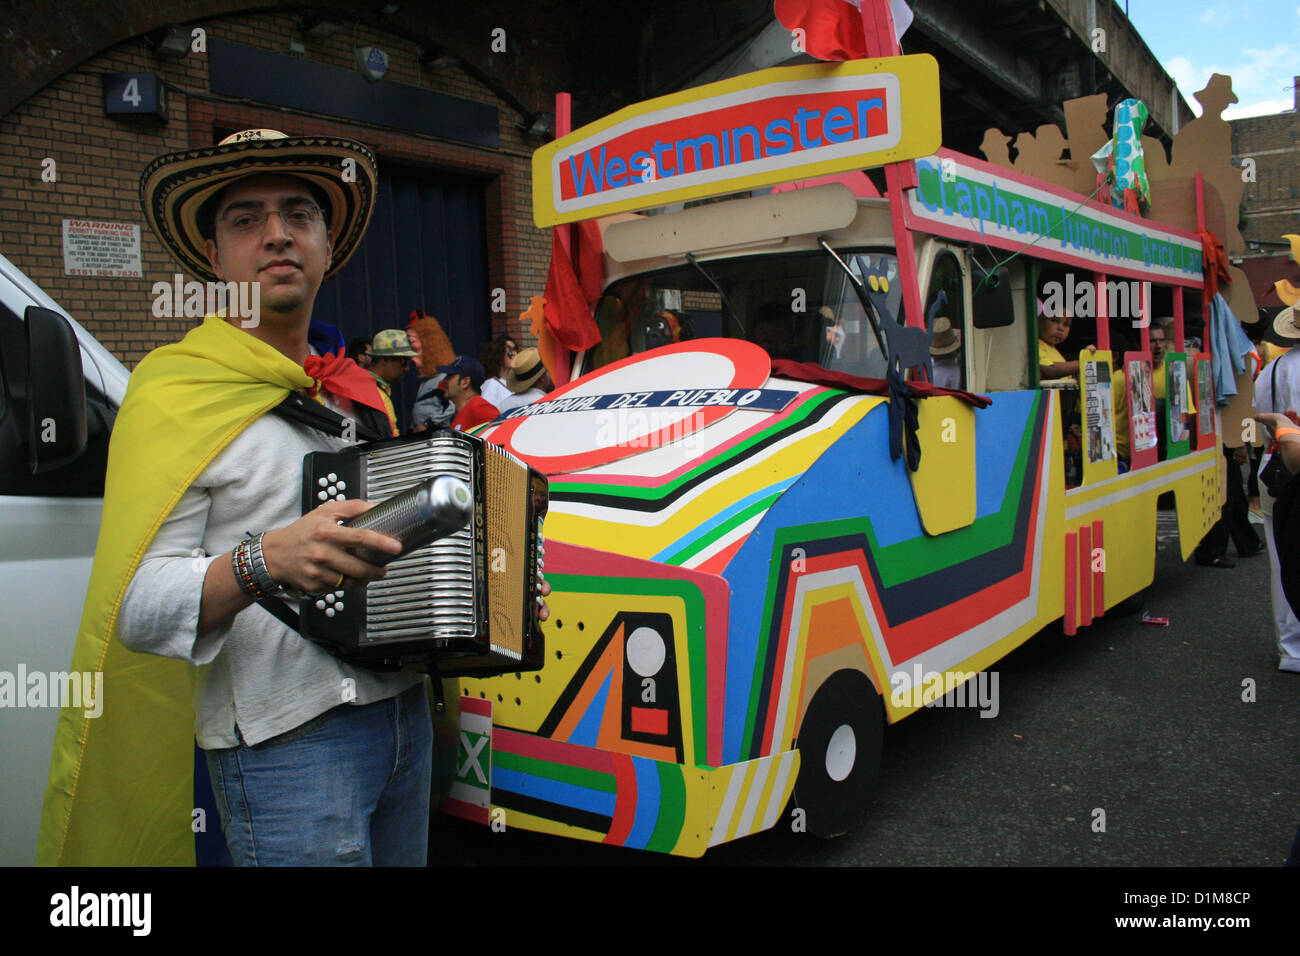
839,745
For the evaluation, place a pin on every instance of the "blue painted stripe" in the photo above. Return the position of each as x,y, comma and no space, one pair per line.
647,803
588,729
681,544
554,791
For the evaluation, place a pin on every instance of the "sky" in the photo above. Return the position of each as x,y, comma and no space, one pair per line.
1256,42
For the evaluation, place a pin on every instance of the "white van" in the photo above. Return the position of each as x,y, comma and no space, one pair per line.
49,523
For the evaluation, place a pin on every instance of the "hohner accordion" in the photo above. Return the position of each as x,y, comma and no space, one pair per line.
466,602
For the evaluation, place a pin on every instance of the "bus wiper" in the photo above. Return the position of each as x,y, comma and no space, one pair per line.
869,307
713,282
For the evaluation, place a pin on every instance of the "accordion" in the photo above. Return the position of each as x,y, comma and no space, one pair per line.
466,602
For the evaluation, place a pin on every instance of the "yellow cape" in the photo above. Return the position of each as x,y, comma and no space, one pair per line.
121,785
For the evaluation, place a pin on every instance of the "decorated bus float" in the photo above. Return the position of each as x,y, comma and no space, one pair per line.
766,542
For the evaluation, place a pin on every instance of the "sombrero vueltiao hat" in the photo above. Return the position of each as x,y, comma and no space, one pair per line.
1285,327
174,187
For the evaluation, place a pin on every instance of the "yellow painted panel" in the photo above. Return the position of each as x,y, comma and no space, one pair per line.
944,484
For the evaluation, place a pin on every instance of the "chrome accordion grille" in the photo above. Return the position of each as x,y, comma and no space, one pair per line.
429,592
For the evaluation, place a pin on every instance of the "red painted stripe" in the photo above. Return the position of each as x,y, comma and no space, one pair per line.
554,751
1099,578
649,720
1071,552
718,563
1085,571
624,802
476,705
467,811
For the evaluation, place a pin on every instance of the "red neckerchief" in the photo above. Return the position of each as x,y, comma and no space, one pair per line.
341,376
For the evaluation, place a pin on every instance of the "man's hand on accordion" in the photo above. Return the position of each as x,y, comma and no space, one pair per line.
315,553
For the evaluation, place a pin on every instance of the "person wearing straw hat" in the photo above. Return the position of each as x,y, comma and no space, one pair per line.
945,347
1277,389
312,761
527,380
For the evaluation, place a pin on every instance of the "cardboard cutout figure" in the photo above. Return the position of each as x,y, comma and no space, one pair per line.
995,146
1205,145
1085,124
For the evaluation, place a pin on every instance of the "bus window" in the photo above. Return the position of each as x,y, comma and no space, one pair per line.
945,318
1000,356
798,306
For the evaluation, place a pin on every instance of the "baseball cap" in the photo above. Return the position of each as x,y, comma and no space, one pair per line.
464,365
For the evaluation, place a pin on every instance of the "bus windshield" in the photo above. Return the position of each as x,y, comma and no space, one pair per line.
797,306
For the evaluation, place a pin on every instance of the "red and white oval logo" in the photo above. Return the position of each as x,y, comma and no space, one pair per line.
636,404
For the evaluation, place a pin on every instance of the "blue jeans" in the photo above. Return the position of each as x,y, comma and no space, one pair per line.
347,788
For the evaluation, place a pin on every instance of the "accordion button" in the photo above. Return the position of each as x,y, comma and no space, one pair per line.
323,482
329,612
331,491
322,496
342,486
332,477
340,497
338,606
320,605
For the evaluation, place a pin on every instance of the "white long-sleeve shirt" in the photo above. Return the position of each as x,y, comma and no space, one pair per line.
257,678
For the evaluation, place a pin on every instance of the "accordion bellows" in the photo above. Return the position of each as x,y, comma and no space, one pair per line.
468,601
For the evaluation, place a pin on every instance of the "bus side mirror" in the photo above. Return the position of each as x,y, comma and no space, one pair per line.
992,305
56,391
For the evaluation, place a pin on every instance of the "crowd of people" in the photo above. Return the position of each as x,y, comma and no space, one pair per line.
460,394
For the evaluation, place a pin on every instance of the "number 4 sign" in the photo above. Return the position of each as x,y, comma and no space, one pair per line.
136,94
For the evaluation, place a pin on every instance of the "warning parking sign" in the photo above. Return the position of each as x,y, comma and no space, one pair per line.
101,248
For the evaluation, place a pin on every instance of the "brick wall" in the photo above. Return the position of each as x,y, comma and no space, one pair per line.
1271,204
98,161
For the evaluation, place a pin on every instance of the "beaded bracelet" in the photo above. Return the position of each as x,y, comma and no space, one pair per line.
250,569
265,582
241,562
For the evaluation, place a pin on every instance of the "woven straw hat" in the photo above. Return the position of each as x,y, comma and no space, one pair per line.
174,187
1284,325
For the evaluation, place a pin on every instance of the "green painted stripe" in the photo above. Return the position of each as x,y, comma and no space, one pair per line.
735,521
672,808
579,776
908,560
900,562
651,494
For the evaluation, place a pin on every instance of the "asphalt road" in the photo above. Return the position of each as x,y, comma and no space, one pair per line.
1145,723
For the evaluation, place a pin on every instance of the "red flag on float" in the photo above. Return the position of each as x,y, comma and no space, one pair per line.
832,29
573,287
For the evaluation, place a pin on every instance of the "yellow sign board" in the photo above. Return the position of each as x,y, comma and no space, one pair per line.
760,129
